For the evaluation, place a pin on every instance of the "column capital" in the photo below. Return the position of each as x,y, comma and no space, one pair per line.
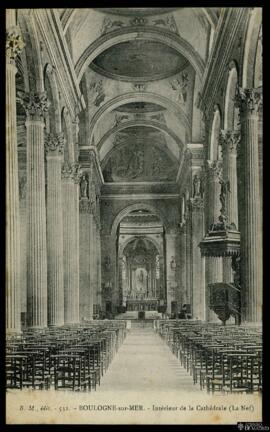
35,104
230,140
214,168
54,144
14,44
249,100
71,171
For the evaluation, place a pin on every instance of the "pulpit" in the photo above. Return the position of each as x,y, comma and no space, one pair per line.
225,301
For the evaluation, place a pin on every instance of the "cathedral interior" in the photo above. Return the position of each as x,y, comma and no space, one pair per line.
134,182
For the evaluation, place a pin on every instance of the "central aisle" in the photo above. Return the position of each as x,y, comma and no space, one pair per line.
145,363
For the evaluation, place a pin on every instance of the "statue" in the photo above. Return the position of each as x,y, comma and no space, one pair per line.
84,187
196,186
225,188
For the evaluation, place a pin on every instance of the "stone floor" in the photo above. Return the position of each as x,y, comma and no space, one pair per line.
145,363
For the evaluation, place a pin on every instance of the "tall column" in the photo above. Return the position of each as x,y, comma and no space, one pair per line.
171,265
250,101
230,141
14,44
188,260
183,252
54,145
99,298
213,265
36,105
198,262
93,245
70,175
86,293
76,253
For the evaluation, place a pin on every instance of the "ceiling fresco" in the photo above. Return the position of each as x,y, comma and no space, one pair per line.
139,60
139,163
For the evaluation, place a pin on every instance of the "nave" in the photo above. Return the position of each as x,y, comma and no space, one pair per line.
145,362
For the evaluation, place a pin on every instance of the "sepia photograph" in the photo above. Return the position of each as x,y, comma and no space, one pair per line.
134,201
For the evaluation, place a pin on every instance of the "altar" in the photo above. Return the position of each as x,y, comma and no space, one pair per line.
142,305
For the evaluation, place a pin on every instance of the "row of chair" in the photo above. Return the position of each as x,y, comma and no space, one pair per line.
70,357
221,358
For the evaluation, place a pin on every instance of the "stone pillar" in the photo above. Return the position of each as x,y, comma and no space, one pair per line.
171,265
251,230
86,249
14,44
183,263
93,259
188,260
230,141
93,242
36,105
99,293
198,262
70,175
213,265
54,145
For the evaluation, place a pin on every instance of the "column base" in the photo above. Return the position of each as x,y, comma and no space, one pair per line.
13,332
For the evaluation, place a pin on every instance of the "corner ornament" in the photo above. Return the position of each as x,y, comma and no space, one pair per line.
249,100
14,44
54,144
36,105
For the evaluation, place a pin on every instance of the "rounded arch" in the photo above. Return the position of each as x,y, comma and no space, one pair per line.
214,152
150,239
54,110
251,43
144,122
136,206
129,33
230,110
142,97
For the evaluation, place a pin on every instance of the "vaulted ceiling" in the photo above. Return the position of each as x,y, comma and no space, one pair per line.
140,71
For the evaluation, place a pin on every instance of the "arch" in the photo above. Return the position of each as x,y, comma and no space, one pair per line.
150,239
142,97
251,42
214,153
230,108
143,122
55,103
128,33
137,206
